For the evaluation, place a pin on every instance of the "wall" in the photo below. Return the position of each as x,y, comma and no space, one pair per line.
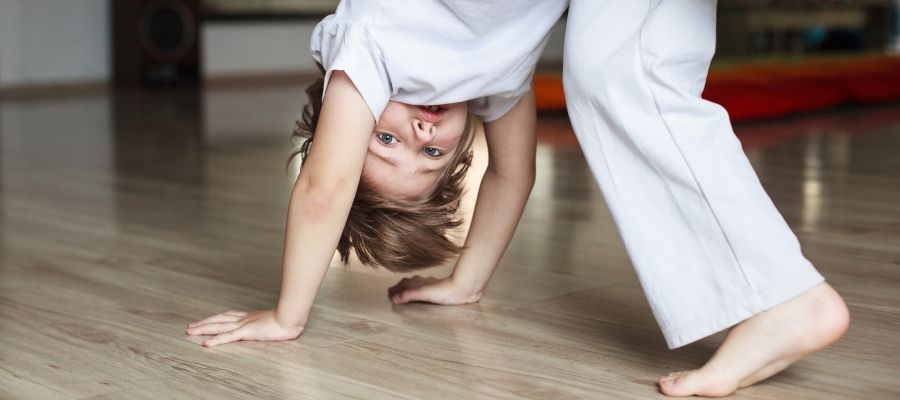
256,48
53,41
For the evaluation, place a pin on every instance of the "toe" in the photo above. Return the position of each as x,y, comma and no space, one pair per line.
678,384
695,382
668,387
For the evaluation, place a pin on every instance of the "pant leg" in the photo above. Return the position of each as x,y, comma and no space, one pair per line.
707,244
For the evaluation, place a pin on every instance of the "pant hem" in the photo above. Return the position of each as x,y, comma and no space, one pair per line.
787,290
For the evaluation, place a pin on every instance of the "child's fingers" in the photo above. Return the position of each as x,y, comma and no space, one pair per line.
227,337
213,328
403,284
417,288
224,317
408,295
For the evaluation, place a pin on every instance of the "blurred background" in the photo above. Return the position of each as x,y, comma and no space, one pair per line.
170,41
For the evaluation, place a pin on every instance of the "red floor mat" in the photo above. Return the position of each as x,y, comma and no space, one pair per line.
778,89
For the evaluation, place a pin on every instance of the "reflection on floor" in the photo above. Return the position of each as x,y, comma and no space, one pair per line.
124,217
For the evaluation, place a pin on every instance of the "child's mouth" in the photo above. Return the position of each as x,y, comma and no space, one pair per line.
432,114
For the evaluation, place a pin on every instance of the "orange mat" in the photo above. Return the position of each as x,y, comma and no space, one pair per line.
765,90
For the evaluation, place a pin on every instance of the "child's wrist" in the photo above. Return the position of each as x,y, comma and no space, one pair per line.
470,291
288,321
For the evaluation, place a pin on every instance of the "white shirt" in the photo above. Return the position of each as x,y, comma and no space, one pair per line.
429,52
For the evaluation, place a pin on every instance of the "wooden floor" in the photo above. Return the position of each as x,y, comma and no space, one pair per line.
124,217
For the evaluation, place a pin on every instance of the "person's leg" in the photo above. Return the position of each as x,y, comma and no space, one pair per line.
707,244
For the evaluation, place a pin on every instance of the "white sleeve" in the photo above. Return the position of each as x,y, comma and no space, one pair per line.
490,108
346,45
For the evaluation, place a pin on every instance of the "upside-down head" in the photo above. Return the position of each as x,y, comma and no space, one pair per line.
411,184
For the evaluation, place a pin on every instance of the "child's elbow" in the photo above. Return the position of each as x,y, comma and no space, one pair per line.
320,195
522,175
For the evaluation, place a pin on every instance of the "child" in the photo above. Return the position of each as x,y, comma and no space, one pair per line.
709,249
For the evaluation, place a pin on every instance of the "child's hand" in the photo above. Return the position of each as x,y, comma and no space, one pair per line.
233,326
431,290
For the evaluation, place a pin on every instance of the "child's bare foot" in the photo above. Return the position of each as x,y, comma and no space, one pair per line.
766,344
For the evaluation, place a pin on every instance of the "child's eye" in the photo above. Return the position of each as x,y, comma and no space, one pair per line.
387,138
432,152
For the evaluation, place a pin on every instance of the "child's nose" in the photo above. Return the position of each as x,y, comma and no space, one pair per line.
424,130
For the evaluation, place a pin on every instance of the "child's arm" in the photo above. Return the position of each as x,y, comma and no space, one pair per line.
319,205
502,196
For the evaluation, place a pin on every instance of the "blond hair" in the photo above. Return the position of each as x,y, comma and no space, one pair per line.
397,234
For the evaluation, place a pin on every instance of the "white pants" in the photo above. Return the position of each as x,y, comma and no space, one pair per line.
709,248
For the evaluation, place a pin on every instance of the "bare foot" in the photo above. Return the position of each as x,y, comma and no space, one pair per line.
765,344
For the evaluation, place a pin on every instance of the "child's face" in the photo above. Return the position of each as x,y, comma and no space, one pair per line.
410,147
